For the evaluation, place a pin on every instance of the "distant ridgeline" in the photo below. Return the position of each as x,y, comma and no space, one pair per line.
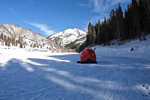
13,35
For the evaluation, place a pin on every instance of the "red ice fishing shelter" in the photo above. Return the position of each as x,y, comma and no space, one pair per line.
88,56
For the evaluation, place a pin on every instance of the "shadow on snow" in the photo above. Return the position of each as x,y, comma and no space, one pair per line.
62,78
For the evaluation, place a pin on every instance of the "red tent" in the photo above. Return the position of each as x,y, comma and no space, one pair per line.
88,56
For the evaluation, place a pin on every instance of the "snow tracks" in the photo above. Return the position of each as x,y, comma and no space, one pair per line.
59,77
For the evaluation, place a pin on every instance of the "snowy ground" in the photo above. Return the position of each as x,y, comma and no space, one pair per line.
119,75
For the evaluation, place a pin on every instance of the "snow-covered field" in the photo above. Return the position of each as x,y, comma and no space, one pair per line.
119,74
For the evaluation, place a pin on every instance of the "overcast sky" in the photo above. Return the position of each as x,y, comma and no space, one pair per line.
52,16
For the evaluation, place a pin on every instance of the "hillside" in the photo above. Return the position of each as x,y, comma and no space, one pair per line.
28,37
68,36
141,49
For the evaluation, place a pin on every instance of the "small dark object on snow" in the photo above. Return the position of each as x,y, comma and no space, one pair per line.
144,95
132,49
78,61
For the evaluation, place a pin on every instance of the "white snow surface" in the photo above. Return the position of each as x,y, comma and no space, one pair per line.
119,74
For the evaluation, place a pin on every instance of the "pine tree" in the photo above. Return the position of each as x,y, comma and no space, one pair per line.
16,43
99,32
34,45
1,37
21,45
143,21
8,41
145,13
93,35
13,42
120,25
97,29
102,33
136,18
110,32
88,37
112,24
129,21
105,34
30,45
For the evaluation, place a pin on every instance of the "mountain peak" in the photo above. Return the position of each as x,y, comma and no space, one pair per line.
68,36
75,28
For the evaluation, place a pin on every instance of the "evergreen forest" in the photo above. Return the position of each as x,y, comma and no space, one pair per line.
134,23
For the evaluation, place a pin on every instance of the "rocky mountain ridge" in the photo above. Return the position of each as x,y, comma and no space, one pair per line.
28,37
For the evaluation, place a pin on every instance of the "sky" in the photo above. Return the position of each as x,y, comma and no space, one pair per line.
48,17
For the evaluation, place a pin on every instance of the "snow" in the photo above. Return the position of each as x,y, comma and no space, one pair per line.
69,35
141,49
120,74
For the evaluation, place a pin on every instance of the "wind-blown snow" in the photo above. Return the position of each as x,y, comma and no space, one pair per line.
120,75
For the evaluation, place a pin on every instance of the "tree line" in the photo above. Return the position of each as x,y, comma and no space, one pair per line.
133,24
7,41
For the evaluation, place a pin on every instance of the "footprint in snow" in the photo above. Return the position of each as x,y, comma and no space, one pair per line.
145,95
147,87
142,70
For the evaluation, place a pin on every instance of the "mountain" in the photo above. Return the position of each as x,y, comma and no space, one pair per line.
70,36
28,37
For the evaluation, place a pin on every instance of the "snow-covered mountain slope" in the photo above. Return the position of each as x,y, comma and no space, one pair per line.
141,49
27,36
69,35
